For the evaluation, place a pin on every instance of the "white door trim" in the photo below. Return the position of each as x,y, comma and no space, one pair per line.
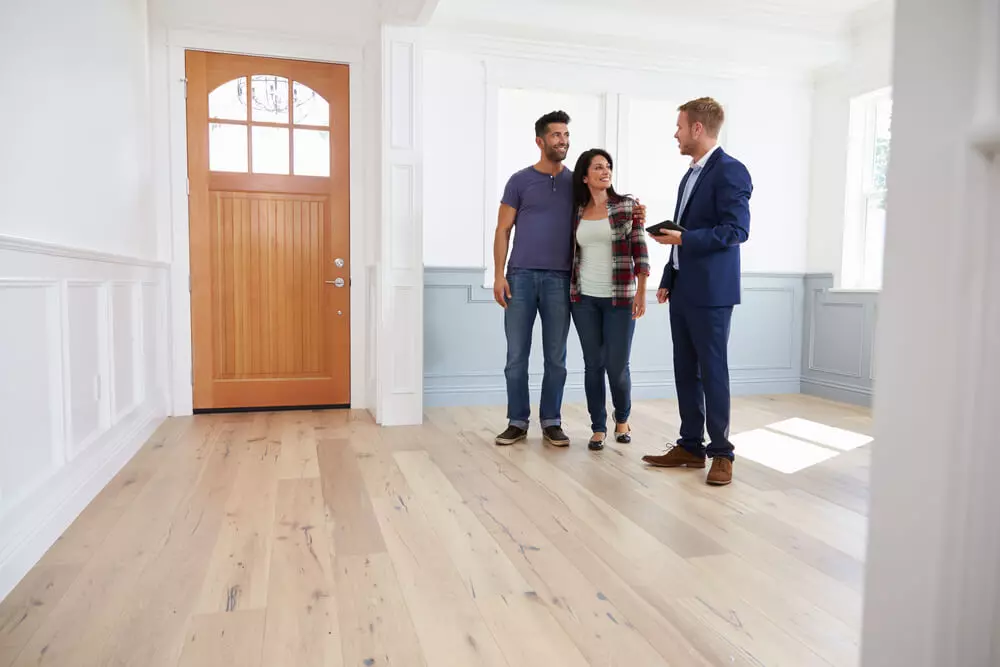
174,121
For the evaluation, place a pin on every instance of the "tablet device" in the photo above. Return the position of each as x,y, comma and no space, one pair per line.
660,227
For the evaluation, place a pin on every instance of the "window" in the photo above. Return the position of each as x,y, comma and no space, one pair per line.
868,162
650,167
282,127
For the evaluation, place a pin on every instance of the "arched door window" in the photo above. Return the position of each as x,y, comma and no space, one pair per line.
266,124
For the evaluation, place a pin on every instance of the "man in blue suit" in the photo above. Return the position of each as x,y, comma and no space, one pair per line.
702,283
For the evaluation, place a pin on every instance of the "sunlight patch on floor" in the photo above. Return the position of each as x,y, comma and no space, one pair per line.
796,444
821,434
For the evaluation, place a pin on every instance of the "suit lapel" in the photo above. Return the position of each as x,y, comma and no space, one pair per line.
701,180
680,194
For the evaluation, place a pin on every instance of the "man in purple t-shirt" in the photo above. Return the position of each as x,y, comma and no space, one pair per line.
538,201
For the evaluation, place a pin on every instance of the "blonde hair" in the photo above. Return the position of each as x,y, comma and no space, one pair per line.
706,111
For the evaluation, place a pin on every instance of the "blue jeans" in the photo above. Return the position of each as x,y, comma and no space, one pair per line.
606,338
545,293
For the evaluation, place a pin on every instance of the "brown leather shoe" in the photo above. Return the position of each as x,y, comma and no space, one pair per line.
721,472
676,457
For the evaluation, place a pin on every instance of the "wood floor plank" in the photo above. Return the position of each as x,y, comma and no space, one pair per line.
752,631
239,567
302,626
232,638
811,551
603,631
827,636
150,630
684,493
105,588
24,609
518,616
355,529
376,626
618,578
451,629
298,458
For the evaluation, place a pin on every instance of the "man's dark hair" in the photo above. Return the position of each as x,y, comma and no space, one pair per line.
542,124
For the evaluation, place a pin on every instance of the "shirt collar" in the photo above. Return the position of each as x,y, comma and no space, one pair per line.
697,166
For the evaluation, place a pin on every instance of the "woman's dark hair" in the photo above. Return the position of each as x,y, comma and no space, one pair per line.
581,192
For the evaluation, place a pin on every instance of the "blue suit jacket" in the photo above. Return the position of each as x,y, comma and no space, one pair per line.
717,220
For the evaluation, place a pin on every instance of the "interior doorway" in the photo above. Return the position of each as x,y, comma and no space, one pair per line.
269,201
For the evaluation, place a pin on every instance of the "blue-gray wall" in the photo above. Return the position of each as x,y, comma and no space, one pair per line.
838,360
464,346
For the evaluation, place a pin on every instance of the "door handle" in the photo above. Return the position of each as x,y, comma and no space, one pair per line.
339,282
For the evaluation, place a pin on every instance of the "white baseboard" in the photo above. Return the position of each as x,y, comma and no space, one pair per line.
836,391
32,526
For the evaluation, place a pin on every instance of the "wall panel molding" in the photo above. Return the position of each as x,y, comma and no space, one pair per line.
61,444
464,344
840,328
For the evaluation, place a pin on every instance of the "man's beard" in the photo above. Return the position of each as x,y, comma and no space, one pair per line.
555,154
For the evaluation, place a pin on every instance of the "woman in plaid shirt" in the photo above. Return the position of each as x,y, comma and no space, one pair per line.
607,289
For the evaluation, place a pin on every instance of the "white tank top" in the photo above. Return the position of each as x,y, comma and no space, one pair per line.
594,239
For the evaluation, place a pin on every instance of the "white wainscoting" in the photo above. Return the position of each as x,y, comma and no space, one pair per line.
83,359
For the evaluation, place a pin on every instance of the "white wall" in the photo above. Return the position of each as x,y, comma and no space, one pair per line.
83,362
932,583
869,68
74,129
469,141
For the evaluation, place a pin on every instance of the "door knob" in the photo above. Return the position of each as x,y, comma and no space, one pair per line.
339,263
339,282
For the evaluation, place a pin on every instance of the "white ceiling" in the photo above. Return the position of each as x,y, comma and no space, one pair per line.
793,35
820,15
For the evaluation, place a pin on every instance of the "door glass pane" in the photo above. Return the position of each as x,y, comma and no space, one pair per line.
227,147
312,153
270,150
310,107
270,98
229,101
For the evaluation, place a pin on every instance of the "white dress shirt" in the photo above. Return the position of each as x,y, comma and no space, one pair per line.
696,168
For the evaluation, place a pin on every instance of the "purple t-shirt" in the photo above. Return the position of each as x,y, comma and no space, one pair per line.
543,226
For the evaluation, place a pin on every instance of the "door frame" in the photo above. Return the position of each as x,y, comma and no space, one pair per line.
172,190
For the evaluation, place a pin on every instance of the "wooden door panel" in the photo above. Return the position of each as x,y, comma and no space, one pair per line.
270,327
269,307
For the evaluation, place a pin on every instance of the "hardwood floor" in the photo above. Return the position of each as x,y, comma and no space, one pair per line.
316,538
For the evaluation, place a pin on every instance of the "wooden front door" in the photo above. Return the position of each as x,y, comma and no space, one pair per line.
268,164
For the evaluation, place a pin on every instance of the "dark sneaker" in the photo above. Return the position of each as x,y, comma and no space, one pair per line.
555,436
511,435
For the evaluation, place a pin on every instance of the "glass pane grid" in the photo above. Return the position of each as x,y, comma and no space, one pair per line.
280,127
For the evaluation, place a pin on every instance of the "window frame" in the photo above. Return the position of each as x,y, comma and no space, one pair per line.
857,269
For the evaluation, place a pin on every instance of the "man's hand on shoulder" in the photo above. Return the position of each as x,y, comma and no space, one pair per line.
640,212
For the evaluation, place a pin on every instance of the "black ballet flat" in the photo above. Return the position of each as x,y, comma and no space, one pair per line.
625,437
596,445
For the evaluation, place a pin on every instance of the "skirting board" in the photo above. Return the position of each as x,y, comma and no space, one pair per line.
832,391
55,504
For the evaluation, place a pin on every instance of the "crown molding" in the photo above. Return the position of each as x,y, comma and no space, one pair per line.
679,56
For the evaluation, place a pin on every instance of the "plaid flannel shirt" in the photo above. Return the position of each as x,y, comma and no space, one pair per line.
628,252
